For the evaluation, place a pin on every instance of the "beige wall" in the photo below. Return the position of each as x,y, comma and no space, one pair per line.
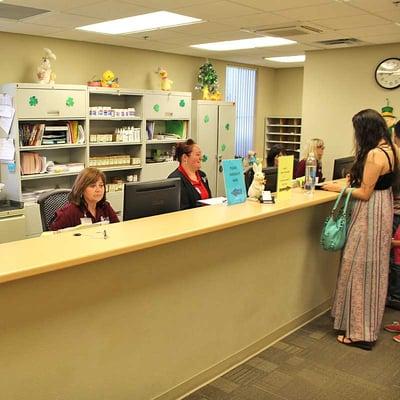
337,84
288,92
78,62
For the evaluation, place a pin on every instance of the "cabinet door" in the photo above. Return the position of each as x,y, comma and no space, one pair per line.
50,103
207,125
226,141
167,106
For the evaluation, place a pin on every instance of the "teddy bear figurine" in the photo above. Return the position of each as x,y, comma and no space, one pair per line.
166,84
44,73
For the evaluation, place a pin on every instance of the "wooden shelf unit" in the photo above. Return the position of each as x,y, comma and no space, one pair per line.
284,130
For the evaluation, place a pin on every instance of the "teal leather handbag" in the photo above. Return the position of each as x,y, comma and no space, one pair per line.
334,232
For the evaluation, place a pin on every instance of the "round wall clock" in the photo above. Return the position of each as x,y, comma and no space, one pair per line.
387,73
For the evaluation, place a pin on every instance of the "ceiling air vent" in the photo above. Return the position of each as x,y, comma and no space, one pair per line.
10,11
345,42
283,31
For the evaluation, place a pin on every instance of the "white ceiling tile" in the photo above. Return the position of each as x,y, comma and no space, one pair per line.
382,39
30,29
62,20
388,29
217,11
203,28
6,21
232,35
374,5
168,5
55,5
331,10
256,20
391,15
274,5
158,34
349,22
109,9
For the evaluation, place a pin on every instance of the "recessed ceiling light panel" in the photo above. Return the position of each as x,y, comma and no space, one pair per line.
287,59
264,41
141,23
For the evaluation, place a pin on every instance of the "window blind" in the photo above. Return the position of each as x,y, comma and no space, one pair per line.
240,87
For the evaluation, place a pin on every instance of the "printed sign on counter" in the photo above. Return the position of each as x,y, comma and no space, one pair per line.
285,175
235,187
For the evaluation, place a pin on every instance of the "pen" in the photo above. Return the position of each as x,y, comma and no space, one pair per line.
105,234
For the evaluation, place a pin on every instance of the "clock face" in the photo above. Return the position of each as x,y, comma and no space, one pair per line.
387,73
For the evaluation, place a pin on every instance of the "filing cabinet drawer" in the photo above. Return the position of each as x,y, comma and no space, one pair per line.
51,103
167,106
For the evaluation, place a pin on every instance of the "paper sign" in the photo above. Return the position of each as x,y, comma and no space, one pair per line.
235,187
285,174
6,114
7,149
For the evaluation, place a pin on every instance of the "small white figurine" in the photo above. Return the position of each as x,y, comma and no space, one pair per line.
44,73
257,186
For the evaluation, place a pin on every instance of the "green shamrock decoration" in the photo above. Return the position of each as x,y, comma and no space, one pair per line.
33,101
223,147
182,103
227,126
70,102
204,158
206,119
156,107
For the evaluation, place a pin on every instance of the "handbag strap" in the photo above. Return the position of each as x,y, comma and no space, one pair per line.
346,201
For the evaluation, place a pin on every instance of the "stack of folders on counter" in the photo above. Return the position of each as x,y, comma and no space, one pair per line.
42,135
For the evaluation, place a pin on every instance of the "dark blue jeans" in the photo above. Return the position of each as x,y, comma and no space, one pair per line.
393,298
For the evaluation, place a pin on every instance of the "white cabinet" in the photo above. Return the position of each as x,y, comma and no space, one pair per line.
213,128
167,119
285,131
45,102
167,105
49,127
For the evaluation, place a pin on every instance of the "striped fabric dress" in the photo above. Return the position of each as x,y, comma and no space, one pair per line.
363,276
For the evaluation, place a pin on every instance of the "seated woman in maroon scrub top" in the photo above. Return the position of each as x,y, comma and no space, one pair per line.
194,183
87,202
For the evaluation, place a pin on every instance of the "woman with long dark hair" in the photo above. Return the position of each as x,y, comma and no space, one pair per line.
362,282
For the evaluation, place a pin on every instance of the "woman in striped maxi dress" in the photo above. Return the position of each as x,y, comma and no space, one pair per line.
362,282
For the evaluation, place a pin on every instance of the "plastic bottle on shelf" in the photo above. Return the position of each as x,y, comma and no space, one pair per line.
311,173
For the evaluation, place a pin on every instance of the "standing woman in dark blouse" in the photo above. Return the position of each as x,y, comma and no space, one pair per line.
194,183
363,276
87,202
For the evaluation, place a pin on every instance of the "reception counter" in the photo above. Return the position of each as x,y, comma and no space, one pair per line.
162,304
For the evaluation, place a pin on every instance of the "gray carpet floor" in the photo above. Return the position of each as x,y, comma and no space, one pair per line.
310,364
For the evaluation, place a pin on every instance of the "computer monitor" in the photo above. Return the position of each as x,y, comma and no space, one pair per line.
271,177
342,166
143,199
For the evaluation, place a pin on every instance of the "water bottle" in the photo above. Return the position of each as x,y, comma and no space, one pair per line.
311,173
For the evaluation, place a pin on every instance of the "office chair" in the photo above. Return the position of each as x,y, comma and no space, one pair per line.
49,203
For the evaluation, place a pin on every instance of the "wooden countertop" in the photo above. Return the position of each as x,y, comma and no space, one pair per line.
30,257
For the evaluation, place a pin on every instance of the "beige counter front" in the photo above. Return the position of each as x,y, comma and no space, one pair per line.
163,304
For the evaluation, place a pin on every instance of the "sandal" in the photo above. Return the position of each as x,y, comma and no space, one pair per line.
359,343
